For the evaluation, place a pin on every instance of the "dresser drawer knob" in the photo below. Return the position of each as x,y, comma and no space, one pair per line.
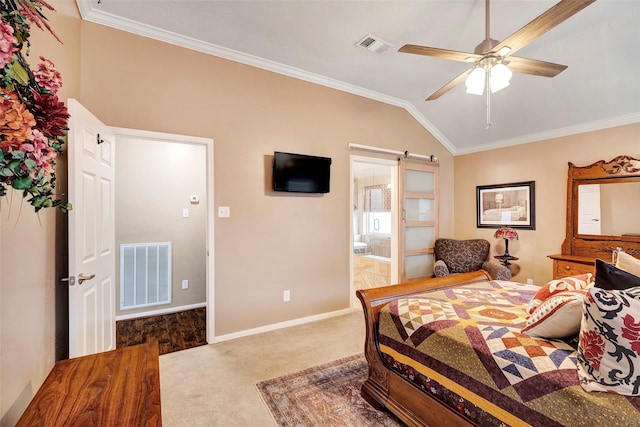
567,267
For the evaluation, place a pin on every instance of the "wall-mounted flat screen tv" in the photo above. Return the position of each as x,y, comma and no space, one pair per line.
300,173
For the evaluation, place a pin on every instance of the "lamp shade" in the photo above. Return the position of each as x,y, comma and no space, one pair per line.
475,81
499,77
506,233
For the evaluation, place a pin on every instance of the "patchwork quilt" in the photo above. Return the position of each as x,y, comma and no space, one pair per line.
463,345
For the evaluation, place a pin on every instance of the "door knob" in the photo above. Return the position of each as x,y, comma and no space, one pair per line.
82,278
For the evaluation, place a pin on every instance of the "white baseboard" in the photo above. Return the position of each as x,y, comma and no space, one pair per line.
275,326
161,311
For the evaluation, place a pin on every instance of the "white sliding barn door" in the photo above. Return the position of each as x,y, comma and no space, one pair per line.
419,219
91,234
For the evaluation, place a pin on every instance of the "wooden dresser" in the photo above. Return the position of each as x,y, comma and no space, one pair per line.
598,231
571,265
114,388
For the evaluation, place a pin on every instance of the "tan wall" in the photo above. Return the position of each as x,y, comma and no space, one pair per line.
271,242
154,181
545,163
28,246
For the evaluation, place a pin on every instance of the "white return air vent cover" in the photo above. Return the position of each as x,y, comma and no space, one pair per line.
145,274
374,44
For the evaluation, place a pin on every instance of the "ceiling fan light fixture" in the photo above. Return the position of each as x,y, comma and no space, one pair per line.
475,81
499,77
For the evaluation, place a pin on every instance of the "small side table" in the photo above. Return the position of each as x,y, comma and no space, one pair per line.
504,259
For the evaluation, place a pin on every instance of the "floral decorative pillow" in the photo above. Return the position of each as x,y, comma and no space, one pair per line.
557,317
609,344
571,283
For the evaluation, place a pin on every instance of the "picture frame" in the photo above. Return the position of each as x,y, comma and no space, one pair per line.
511,205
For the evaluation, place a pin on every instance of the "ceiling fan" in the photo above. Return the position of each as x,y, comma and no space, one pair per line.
494,57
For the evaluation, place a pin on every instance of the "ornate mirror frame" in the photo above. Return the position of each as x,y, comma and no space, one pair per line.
621,169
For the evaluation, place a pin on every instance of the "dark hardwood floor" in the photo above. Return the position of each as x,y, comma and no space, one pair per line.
175,331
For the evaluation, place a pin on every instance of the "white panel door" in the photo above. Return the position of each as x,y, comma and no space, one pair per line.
589,216
91,234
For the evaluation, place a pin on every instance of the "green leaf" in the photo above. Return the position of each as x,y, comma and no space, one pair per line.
14,166
6,172
38,202
30,164
18,73
17,154
21,183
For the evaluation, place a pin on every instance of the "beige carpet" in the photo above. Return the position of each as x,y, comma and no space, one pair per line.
214,385
324,396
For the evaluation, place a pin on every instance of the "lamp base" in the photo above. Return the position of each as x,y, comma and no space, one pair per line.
504,259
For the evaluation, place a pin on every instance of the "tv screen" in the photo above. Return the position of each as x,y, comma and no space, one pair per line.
300,173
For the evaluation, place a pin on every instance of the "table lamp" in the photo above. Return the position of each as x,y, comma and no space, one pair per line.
507,234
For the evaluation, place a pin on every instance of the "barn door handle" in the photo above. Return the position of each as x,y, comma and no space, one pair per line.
82,278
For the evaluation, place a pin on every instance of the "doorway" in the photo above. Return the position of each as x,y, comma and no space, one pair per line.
373,223
178,211
91,308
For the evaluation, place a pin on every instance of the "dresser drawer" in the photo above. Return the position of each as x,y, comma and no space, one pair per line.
568,268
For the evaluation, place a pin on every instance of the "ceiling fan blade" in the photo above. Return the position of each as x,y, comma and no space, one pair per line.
543,23
453,55
534,67
446,88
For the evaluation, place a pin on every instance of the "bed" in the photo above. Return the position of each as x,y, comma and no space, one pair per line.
514,213
450,352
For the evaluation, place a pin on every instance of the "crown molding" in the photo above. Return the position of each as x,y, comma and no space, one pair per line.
555,133
90,14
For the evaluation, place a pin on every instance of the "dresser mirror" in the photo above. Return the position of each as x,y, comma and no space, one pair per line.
603,208
609,208
603,215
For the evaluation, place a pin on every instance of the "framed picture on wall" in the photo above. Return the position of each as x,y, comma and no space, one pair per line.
512,205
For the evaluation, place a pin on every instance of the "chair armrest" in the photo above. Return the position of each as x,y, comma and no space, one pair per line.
440,269
497,271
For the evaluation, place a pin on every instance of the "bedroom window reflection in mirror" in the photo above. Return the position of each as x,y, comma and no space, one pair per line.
609,209
506,204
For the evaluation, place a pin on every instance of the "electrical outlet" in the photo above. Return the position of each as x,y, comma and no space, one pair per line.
529,281
185,284
286,296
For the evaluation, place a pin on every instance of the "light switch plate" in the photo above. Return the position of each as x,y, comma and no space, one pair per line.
224,211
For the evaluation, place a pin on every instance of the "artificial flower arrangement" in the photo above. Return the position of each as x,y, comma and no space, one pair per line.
33,121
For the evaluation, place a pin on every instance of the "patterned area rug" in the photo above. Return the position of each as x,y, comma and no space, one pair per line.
325,395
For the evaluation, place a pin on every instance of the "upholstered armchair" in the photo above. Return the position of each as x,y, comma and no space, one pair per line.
461,256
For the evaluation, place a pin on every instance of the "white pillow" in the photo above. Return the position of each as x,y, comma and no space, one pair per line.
556,317
628,263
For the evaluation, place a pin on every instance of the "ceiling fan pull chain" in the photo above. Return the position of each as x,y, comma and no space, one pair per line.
488,99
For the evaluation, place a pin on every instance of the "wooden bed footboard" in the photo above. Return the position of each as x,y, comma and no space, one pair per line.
384,388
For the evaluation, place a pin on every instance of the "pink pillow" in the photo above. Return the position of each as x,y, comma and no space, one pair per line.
582,281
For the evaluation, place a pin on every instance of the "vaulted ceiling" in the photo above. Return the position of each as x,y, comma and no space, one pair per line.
316,40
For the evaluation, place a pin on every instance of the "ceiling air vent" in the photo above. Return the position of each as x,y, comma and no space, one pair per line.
373,44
